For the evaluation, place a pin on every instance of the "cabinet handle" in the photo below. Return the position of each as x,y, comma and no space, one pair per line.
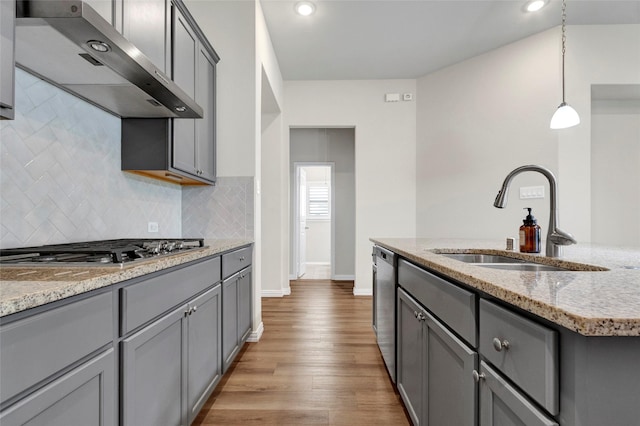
419,316
187,312
194,309
241,259
477,376
499,345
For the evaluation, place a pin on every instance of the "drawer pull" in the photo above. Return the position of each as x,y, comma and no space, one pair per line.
241,258
477,376
499,345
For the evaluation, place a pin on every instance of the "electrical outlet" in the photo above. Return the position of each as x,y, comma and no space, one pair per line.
407,97
530,192
152,227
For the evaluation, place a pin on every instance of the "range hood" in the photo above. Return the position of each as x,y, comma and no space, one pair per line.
54,40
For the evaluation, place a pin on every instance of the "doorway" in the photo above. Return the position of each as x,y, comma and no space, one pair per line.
314,220
335,148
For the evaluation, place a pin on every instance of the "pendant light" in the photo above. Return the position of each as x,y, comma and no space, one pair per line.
565,116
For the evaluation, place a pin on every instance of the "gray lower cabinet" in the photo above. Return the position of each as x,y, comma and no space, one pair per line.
502,404
84,396
204,368
171,366
435,368
236,314
7,62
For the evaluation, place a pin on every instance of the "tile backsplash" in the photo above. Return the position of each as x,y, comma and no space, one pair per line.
221,211
60,180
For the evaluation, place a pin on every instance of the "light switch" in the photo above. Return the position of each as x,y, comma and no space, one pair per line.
530,192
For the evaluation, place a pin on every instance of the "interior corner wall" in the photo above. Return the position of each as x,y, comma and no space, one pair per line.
384,153
481,118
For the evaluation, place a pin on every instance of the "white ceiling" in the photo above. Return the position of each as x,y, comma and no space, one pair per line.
380,39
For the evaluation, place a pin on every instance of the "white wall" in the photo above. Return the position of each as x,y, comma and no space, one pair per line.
481,118
384,153
615,183
319,241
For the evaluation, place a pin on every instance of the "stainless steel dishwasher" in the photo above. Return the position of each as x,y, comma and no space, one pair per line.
384,290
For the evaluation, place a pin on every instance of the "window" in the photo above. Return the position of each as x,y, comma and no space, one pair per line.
319,200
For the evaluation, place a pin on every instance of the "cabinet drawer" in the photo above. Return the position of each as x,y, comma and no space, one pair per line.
525,351
235,261
144,301
455,306
34,348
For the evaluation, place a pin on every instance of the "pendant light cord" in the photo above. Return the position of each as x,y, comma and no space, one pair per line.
564,41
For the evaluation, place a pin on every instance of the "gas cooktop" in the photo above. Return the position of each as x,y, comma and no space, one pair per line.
98,253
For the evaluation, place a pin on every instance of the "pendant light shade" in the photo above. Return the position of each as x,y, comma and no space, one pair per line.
565,116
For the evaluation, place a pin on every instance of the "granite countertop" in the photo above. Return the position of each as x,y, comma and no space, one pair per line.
25,287
600,303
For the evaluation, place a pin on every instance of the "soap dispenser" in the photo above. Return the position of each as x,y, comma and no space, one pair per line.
530,234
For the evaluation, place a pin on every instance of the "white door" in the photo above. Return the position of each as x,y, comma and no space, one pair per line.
302,224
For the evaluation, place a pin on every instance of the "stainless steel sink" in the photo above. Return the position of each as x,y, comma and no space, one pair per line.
525,267
482,258
507,263
494,261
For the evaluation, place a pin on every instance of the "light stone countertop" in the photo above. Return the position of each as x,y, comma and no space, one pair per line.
25,287
602,303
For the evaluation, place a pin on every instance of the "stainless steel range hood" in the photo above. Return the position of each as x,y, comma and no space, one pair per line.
53,41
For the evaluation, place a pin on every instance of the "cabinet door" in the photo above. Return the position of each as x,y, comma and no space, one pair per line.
7,63
502,404
205,358
153,375
450,392
145,23
185,49
244,305
84,396
205,127
229,321
411,351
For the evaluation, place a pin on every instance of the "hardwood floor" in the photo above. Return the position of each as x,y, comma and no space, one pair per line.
317,363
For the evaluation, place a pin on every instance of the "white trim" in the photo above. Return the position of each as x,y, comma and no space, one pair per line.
256,334
318,263
362,291
292,277
344,278
272,293
286,291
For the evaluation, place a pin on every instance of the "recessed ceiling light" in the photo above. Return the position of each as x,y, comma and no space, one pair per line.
305,8
535,5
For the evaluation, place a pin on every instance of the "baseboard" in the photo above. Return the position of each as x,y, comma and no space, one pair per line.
344,278
318,263
256,334
286,291
272,293
362,291
292,277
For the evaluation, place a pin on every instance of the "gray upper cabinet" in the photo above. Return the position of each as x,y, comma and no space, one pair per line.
180,151
146,23
7,61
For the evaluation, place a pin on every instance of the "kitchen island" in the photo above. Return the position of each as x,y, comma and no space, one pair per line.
477,344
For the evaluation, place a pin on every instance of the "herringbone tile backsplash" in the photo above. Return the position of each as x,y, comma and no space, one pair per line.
60,180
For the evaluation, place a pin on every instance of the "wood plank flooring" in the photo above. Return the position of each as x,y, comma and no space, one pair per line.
317,363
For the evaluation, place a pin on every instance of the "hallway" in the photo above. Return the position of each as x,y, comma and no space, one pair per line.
317,363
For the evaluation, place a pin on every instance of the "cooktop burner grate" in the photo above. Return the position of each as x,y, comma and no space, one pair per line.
100,252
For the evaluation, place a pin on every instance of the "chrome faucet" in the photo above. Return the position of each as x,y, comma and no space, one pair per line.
555,236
